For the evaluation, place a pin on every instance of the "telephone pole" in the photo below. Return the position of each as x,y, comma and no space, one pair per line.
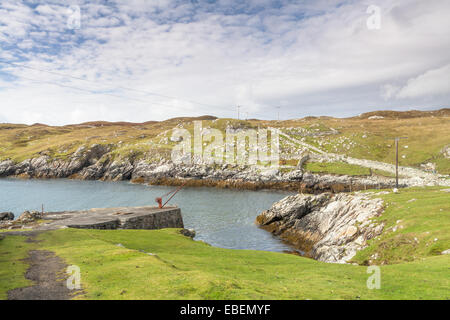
396,159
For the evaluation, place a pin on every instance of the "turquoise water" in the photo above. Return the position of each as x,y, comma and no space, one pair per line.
222,218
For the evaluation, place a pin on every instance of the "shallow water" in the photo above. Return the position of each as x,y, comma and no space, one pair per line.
220,217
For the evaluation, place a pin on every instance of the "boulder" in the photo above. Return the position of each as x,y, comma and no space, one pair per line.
6,216
190,233
302,160
28,216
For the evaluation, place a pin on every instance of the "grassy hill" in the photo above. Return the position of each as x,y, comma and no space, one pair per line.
368,136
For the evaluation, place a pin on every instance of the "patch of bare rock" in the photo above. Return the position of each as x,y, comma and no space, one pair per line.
28,218
327,227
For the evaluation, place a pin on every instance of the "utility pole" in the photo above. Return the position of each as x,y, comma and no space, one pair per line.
396,159
238,107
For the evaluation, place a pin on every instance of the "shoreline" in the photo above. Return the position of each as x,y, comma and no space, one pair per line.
314,184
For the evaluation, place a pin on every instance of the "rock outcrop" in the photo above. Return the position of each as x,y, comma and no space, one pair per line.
327,227
86,166
98,162
24,219
29,216
4,216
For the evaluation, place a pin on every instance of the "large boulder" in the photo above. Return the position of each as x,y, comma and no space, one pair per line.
29,216
7,168
6,216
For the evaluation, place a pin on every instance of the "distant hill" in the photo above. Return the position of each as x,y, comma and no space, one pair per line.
445,112
368,136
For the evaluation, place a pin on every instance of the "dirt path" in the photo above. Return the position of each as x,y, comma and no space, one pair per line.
410,173
47,271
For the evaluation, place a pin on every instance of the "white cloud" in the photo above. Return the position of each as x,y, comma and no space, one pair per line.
432,82
389,91
314,57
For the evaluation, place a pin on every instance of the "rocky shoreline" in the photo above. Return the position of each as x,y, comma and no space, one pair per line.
327,227
92,164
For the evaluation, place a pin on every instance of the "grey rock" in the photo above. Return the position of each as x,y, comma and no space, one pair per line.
29,216
330,228
188,233
6,216
302,160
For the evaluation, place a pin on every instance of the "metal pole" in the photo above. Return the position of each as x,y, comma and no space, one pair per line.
396,163
174,193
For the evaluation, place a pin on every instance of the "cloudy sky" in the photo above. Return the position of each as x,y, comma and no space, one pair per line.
137,60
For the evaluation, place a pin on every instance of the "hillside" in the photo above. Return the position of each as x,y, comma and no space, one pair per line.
336,146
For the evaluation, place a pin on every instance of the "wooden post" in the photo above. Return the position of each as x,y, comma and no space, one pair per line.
396,163
396,159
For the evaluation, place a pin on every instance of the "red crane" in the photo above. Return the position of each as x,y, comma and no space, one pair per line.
171,193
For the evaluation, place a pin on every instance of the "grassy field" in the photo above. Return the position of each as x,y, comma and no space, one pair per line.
12,267
417,226
184,269
360,137
180,268
338,168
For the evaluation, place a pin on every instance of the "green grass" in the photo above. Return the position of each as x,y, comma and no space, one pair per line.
185,269
355,137
339,168
384,173
421,218
442,164
13,250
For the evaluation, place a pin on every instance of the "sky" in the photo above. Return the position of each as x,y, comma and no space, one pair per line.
65,62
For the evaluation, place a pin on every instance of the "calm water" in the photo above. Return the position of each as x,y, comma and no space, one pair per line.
223,218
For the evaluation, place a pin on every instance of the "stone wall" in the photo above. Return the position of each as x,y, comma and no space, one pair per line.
157,220
117,218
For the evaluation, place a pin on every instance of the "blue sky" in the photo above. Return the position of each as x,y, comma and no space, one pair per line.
141,60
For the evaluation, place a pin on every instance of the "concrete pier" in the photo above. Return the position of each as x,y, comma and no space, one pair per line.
117,218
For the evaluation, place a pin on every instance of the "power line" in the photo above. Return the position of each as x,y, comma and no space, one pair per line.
94,92
119,87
